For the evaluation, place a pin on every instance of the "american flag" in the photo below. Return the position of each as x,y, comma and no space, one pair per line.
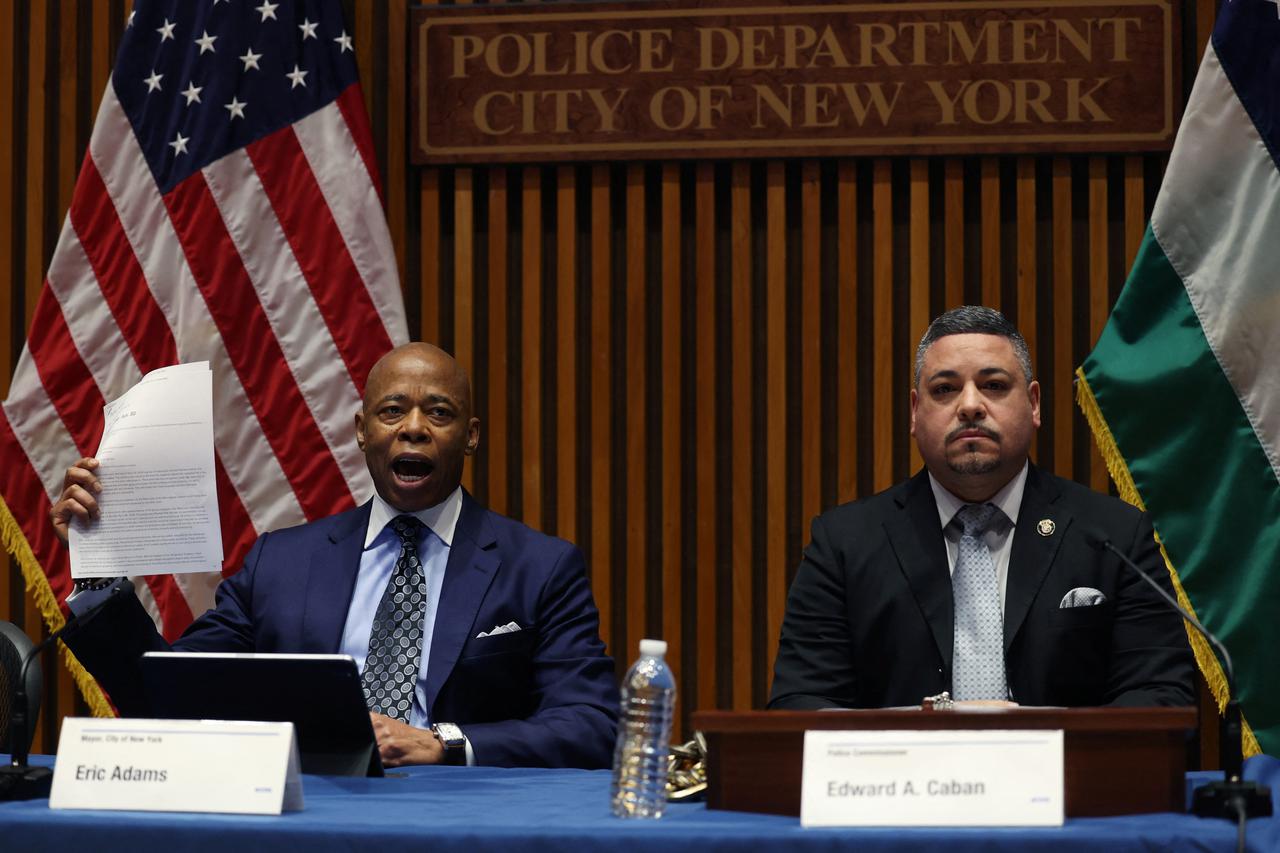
228,209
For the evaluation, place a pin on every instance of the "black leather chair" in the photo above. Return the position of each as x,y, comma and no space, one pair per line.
14,646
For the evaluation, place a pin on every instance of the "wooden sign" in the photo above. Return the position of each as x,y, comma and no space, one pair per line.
560,81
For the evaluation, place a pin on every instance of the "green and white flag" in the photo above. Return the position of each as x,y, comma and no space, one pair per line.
1183,388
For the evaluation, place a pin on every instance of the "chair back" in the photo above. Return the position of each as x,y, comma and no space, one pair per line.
14,646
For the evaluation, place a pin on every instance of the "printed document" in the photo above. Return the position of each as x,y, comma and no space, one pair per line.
159,500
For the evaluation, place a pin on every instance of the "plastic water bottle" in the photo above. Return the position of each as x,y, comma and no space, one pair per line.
644,735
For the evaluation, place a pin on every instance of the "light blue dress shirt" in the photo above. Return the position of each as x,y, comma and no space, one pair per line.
999,537
378,563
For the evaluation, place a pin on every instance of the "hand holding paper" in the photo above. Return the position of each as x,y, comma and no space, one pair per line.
157,511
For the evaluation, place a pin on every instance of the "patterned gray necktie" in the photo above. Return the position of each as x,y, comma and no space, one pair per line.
395,642
977,668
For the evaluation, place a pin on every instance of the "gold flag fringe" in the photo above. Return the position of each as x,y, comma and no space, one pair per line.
1119,469
15,542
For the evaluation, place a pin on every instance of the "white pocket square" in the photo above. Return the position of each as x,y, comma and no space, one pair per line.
1082,596
509,628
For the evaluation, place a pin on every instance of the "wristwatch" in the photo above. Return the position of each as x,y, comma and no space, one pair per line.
453,741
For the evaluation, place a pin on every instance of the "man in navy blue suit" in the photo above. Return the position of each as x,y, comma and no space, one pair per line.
505,663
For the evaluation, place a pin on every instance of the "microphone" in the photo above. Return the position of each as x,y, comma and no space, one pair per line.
1232,797
18,781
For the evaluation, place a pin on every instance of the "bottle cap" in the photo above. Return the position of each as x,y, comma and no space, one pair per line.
653,648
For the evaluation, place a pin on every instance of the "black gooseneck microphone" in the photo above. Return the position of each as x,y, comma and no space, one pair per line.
19,781
1233,797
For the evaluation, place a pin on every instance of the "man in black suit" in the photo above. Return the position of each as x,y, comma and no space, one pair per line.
977,576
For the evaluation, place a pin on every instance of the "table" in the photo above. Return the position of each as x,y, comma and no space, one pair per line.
476,809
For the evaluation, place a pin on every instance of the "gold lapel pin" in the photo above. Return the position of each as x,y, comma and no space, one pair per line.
1046,527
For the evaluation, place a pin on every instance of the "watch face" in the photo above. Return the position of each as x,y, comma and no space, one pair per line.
449,734
453,741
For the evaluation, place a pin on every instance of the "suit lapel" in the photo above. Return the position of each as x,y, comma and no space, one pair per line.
333,565
473,562
916,537
1033,551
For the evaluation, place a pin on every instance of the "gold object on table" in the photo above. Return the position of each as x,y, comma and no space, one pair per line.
941,702
687,770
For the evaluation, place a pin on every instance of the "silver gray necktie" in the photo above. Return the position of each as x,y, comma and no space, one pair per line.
395,644
977,667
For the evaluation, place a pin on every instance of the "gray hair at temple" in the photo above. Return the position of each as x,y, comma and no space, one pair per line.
974,320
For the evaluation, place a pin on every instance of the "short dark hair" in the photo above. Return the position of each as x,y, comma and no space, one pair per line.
974,320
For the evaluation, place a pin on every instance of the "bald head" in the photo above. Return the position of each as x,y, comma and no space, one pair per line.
437,360
416,426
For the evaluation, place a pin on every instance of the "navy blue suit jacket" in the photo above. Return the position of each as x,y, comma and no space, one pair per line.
541,696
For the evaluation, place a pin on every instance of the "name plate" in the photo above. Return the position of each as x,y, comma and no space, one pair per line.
932,778
177,766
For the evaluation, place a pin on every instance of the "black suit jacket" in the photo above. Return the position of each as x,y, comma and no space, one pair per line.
869,619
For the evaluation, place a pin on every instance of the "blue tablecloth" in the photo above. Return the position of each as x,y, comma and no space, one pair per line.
482,809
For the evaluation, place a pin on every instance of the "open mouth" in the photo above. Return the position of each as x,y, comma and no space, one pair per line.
412,469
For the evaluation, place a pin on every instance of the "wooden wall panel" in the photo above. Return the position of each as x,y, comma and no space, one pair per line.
11,591
601,395
568,429
847,230
394,163
634,391
918,314
953,231
884,390
492,385
810,367
463,283
42,181
10,334
531,360
707,310
991,232
676,364
743,440
1025,238
1099,277
673,430
1057,397
428,278
775,407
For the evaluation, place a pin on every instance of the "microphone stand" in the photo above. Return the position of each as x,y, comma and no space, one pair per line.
1232,797
19,781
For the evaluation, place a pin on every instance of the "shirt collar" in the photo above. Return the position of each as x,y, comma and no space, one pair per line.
1007,500
441,518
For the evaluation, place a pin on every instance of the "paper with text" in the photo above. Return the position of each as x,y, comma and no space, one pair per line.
177,766
159,499
919,777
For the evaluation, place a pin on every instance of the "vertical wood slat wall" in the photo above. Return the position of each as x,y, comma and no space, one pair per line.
677,364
